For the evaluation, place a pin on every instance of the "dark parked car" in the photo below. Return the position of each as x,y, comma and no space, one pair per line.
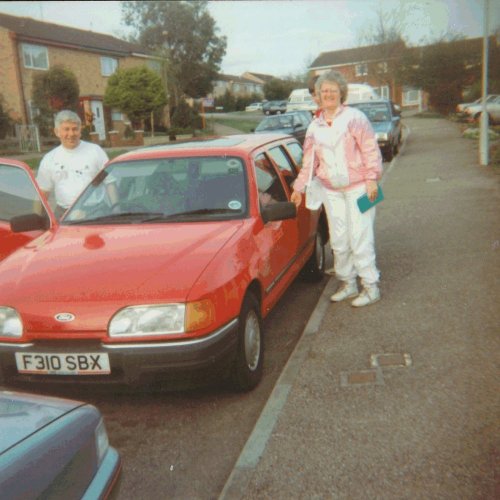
294,123
386,121
274,107
54,448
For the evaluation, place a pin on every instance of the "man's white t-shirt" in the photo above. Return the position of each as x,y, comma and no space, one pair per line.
68,171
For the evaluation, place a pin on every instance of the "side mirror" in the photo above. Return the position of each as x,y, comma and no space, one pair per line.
281,210
29,222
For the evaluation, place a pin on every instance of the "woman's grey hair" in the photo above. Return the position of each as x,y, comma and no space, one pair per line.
66,116
333,77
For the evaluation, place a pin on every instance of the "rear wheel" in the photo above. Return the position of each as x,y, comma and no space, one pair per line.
314,269
249,362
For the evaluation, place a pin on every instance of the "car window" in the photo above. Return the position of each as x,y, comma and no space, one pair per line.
268,183
296,152
170,189
18,195
375,112
283,162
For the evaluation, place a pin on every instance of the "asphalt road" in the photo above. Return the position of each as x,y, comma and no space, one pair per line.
182,444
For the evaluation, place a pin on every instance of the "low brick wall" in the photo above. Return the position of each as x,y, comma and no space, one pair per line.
117,140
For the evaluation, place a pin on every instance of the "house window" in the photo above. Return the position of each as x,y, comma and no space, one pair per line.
236,87
155,66
383,92
35,56
410,97
361,69
108,65
382,67
116,115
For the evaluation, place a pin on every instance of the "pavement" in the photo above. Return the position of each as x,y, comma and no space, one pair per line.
400,399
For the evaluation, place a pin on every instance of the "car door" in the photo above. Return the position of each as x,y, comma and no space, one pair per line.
19,195
288,159
277,240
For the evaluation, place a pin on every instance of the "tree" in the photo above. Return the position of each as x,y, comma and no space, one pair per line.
137,92
186,35
54,90
441,69
277,89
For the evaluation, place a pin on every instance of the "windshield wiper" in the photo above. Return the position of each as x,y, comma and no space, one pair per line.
187,214
112,217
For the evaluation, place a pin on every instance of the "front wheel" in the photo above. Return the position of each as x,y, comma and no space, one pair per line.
249,362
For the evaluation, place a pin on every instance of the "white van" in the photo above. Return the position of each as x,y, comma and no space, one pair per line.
301,100
358,92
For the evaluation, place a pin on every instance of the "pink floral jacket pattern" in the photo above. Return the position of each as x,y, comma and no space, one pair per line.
346,153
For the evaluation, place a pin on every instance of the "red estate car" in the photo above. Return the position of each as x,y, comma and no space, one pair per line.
175,277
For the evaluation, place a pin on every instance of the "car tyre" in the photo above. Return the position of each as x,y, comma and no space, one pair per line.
249,362
314,269
390,154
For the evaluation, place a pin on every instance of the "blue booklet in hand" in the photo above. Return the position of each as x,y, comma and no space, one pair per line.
365,204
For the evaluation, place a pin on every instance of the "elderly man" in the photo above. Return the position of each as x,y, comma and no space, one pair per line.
69,168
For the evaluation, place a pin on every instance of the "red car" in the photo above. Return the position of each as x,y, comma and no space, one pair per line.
175,277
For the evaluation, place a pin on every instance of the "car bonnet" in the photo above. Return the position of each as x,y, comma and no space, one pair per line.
81,270
23,414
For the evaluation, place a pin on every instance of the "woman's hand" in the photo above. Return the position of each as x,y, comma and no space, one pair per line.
296,198
371,190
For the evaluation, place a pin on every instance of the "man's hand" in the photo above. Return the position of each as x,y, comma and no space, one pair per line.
371,190
296,198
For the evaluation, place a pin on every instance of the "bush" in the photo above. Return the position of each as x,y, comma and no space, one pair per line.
185,117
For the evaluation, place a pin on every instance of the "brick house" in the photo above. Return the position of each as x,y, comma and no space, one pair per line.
239,86
258,77
28,46
374,65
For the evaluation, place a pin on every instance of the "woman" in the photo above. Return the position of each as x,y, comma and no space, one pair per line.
342,149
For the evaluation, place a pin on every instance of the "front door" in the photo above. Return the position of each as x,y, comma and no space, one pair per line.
98,119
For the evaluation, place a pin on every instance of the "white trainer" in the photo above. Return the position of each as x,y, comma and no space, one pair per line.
346,291
368,296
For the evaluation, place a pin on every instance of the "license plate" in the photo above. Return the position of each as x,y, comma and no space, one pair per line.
48,363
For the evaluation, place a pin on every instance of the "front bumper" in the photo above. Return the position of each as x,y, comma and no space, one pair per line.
131,362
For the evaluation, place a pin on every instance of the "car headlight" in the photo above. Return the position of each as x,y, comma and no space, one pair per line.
382,136
10,323
101,441
148,320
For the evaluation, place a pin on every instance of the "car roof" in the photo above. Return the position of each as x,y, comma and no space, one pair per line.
241,144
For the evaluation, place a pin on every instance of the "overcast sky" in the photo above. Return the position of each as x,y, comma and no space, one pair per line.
283,37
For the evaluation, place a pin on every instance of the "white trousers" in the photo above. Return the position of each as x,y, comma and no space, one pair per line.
351,236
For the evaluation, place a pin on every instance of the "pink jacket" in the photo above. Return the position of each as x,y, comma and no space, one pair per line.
346,153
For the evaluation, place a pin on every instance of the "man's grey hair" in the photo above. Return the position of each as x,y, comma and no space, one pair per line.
333,77
66,116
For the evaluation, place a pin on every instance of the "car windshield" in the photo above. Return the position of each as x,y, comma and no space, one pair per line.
164,190
279,122
376,112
